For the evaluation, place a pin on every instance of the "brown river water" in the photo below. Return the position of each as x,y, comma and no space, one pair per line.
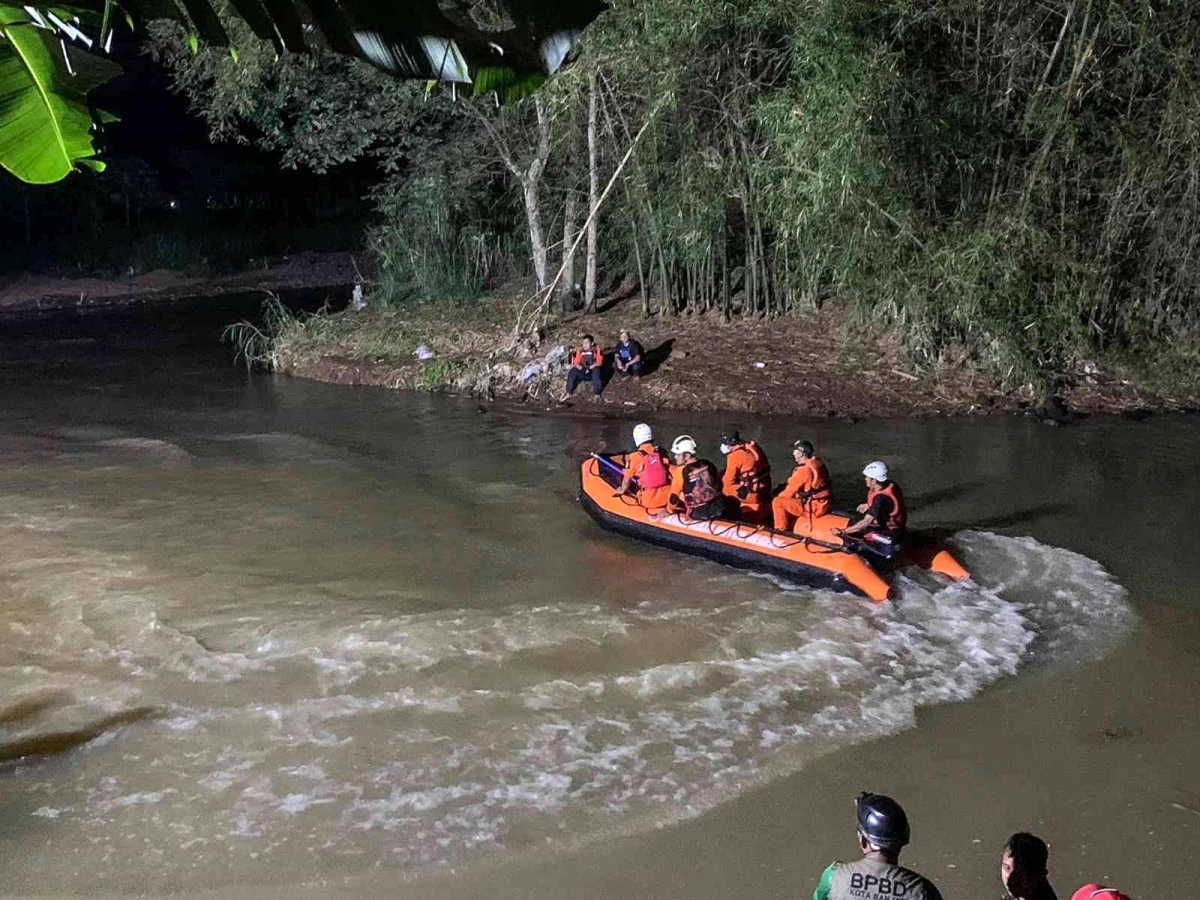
265,637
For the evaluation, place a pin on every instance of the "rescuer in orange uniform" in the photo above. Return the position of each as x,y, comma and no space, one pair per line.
695,485
648,465
884,511
747,478
807,494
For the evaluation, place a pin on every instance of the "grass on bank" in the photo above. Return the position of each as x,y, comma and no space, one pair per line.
1171,371
476,352
467,338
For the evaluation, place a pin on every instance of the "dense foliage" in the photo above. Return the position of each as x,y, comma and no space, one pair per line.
1016,181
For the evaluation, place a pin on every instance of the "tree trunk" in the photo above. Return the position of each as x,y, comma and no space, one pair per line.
637,252
530,179
531,183
567,286
533,218
593,194
666,304
725,305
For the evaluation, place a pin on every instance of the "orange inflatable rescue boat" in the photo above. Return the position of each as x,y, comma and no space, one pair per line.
813,555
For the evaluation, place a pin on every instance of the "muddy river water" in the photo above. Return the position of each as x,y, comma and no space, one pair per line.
263,637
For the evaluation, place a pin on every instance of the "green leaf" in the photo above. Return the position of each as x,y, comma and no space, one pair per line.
45,124
507,83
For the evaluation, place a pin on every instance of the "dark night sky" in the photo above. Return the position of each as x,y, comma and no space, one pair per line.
163,145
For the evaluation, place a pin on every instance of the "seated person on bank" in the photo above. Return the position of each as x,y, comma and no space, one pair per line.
695,485
628,355
648,464
884,511
807,494
585,366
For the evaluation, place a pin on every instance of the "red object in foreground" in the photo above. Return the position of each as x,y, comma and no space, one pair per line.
1096,892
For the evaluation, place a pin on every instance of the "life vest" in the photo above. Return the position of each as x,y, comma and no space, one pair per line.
699,485
820,479
869,879
762,468
626,351
652,471
586,359
898,518
756,480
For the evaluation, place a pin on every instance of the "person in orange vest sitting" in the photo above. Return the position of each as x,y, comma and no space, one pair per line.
884,510
694,482
807,494
648,464
747,477
586,365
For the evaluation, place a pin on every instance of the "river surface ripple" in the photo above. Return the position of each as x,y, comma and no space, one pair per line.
266,630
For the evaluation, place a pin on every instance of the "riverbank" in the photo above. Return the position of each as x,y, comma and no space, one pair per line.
823,364
296,271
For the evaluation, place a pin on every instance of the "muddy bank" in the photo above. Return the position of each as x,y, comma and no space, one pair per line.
820,365
297,271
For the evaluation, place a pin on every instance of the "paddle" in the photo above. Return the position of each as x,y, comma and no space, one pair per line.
615,468
608,462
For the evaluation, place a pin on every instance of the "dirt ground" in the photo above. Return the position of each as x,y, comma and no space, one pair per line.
294,271
816,365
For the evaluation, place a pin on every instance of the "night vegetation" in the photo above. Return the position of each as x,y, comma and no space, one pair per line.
1014,182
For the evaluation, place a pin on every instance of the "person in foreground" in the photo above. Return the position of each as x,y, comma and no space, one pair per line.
627,355
1023,868
586,365
882,832
648,464
884,511
747,477
807,494
694,482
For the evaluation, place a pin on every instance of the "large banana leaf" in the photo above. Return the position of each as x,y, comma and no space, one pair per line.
46,127
445,40
506,47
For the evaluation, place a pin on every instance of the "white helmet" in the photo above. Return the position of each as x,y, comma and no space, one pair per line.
642,434
876,470
685,443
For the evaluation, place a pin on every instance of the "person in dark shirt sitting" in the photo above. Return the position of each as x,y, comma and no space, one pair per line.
884,511
628,355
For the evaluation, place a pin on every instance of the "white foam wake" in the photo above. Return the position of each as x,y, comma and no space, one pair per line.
425,738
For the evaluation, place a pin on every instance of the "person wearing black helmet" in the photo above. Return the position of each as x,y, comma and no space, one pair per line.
806,496
882,833
747,478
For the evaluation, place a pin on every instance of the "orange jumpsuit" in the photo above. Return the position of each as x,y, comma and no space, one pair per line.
653,499
805,495
747,481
